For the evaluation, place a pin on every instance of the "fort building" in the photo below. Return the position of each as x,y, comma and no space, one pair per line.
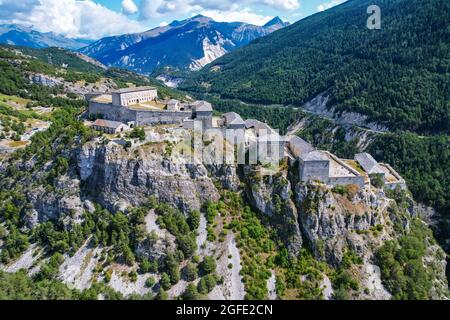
110,127
203,112
390,177
322,165
141,107
232,120
270,144
173,105
134,96
125,108
298,147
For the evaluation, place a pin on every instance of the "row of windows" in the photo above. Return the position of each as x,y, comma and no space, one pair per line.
137,100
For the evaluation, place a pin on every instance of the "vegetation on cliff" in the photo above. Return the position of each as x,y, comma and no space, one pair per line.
402,264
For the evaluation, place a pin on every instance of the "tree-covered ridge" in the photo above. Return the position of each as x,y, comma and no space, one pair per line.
17,62
398,76
59,57
423,161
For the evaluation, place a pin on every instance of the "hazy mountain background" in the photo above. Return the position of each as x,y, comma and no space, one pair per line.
13,34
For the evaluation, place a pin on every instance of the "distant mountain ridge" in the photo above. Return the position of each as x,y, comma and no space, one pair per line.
187,44
13,34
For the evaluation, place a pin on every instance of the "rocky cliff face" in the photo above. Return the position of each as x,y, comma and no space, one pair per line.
272,195
319,106
332,222
117,178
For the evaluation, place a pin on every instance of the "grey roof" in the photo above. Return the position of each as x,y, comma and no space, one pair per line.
299,147
137,89
107,123
315,155
233,118
173,101
258,125
368,163
202,106
251,123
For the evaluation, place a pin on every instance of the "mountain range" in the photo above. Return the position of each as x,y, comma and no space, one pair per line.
18,35
187,44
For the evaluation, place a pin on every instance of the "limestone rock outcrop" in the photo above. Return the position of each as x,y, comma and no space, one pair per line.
272,196
333,222
117,178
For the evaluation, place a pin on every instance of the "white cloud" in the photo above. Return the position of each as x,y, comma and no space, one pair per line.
283,4
245,15
159,8
328,5
72,18
90,20
129,7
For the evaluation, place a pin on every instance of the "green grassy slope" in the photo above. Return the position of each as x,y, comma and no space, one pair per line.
13,82
57,57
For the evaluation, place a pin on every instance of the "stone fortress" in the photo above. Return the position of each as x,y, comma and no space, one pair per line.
141,107
127,108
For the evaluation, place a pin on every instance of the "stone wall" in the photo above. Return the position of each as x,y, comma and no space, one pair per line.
314,170
236,126
271,151
334,181
161,117
206,118
116,113
110,112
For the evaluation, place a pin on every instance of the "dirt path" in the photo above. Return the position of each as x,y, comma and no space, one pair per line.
327,288
237,290
204,247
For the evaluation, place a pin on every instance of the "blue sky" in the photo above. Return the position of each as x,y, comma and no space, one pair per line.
93,19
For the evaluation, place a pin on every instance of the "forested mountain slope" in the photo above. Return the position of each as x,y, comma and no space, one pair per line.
398,76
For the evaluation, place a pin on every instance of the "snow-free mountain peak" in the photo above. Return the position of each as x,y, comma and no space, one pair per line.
187,44
13,34
275,21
